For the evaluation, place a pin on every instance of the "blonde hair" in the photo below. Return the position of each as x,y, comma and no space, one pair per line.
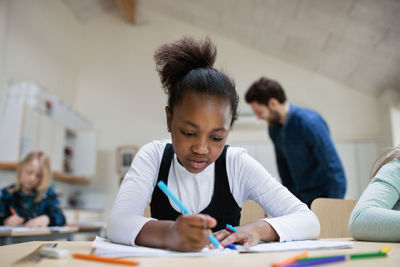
385,158
45,178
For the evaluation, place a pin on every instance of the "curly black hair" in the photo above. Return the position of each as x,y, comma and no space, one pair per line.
187,65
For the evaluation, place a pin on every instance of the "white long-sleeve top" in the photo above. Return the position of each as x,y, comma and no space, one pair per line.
248,180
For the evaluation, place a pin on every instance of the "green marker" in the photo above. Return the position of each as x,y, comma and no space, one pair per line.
367,255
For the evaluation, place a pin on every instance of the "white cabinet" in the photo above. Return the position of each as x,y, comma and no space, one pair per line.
85,153
57,151
34,121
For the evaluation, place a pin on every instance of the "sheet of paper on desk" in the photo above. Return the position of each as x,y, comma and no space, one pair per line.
296,245
28,229
104,247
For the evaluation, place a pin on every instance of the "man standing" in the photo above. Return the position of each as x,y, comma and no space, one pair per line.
308,163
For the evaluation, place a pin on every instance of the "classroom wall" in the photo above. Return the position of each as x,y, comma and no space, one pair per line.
396,124
3,27
104,68
118,88
42,45
389,110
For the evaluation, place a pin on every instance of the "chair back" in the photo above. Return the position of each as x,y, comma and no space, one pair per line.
333,215
251,212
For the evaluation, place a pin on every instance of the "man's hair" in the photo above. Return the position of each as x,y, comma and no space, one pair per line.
262,90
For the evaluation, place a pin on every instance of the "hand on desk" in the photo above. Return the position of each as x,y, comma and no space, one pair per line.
187,233
248,235
40,221
14,220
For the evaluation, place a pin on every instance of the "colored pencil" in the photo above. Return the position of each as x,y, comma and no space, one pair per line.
351,256
291,259
385,249
104,259
367,255
318,261
13,211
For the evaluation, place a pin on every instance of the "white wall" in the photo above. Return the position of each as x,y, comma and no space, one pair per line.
118,88
3,37
389,110
395,121
42,45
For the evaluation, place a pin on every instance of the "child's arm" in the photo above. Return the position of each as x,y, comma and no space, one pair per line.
53,214
8,216
290,218
39,221
13,220
187,233
126,218
376,216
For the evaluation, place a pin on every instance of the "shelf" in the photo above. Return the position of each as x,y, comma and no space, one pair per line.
58,176
62,177
12,166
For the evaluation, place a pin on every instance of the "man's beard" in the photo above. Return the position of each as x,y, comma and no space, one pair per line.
274,119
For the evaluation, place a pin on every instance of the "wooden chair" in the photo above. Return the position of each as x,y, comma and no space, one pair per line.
251,211
333,215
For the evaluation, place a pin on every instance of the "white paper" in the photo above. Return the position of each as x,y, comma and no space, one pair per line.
296,245
106,248
33,229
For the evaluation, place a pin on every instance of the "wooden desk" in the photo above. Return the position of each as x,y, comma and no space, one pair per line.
8,237
12,253
89,230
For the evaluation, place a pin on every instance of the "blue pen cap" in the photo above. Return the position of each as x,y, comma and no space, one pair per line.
231,246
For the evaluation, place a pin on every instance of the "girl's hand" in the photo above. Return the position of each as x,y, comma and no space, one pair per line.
14,220
189,232
40,221
248,235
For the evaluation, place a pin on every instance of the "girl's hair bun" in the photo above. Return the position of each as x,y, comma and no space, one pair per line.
175,60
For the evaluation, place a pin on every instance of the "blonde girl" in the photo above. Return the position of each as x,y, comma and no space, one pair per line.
31,201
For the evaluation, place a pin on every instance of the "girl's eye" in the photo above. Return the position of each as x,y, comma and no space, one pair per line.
188,133
216,139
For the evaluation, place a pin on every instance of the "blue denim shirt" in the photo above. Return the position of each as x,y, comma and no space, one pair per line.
308,163
26,207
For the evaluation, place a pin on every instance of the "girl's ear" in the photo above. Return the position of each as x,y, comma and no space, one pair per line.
169,118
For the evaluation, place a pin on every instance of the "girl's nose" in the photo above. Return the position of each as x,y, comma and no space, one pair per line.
201,146
32,177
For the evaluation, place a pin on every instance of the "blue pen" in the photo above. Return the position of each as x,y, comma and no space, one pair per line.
184,210
169,194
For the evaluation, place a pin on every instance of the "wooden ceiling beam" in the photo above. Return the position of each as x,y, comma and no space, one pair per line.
127,9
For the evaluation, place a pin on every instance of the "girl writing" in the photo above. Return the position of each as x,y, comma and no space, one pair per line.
211,179
31,201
